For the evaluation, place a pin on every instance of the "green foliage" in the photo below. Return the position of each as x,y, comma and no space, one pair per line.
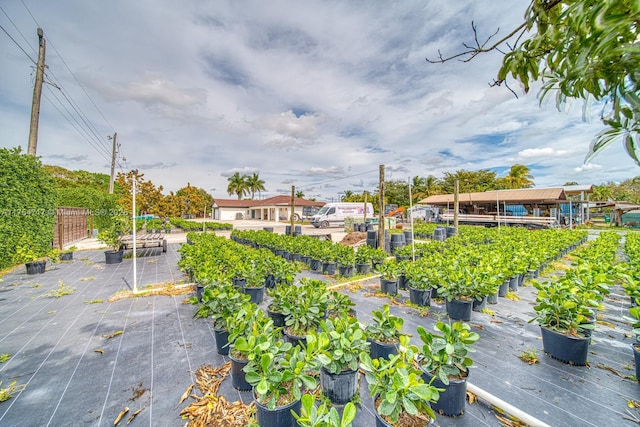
310,416
399,384
385,327
110,236
27,205
445,354
102,204
340,341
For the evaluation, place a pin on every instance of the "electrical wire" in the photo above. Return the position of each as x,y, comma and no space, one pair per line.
19,32
17,44
334,180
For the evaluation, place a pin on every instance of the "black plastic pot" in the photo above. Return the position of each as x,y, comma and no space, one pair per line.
421,297
295,257
493,298
237,374
402,282
513,283
199,292
36,267
278,318
636,357
294,339
565,348
339,388
504,289
256,294
329,268
380,422
280,416
453,399
459,310
269,281
363,268
520,279
113,257
382,350
222,341
345,270
67,256
479,305
239,282
316,265
389,286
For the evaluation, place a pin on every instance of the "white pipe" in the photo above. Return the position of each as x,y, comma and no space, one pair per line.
134,231
506,407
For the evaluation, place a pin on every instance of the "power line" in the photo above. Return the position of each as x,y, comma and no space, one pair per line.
18,30
17,44
71,72
336,179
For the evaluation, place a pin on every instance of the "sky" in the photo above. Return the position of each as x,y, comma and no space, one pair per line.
315,94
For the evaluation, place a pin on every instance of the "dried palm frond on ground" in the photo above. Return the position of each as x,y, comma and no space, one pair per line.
211,409
166,289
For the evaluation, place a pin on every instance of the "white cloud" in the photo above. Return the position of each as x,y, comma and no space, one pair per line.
587,167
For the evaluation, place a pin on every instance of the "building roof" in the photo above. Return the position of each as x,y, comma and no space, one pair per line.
520,196
577,189
271,201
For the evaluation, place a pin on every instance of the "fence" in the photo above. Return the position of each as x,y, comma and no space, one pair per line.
72,224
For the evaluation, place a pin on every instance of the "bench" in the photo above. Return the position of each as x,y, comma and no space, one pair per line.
155,240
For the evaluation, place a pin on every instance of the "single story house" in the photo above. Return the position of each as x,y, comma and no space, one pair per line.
277,208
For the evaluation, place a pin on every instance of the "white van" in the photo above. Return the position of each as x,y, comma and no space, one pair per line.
334,214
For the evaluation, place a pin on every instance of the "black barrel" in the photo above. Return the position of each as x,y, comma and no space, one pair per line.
408,237
439,234
397,242
451,231
297,230
372,239
269,229
287,230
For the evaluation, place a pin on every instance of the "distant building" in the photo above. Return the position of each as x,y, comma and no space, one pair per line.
277,208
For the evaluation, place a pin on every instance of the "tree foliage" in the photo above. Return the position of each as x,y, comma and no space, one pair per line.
148,196
194,199
578,49
237,185
27,205
469,181
519,176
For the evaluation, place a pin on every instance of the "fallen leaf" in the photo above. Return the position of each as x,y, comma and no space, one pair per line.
99,351
133,416
186,394
122,414
115,334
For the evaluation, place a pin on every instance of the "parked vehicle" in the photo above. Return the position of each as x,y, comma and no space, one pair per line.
334,214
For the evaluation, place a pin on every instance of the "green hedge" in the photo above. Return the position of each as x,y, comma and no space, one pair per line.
27,205
101,204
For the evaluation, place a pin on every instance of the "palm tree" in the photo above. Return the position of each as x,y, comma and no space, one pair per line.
299,194
237,185
254,183
519,176
425,187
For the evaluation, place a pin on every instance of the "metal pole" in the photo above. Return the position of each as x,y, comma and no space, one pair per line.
381,224
456,204
498,209
135,253
413,244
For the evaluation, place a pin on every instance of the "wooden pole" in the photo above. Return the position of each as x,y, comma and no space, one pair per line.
37,94
293,209
113,162
381,224
456,204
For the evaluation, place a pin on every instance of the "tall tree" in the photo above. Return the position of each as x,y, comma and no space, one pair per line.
425,187
254,183
519,176
469,181
579,49
147,194
194,200
237,185
300,194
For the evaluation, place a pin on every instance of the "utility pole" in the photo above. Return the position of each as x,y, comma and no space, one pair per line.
381,236
113,161
37,92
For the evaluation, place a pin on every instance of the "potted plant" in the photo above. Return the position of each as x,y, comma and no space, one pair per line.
388,271
251,332
384,332
563,319
281,296
378,256
340,305
363,258
346,257
304,314
67,254
221,303
310,416
398,389
445,362
458,290
254,286
328,256
416,276
340,342
110,236
279,376
32,261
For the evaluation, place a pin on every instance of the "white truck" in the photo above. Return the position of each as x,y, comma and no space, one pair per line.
334,214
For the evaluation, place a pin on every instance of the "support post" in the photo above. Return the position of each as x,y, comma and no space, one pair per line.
456,204
37,94
381,224
113,162
293,210
135,252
